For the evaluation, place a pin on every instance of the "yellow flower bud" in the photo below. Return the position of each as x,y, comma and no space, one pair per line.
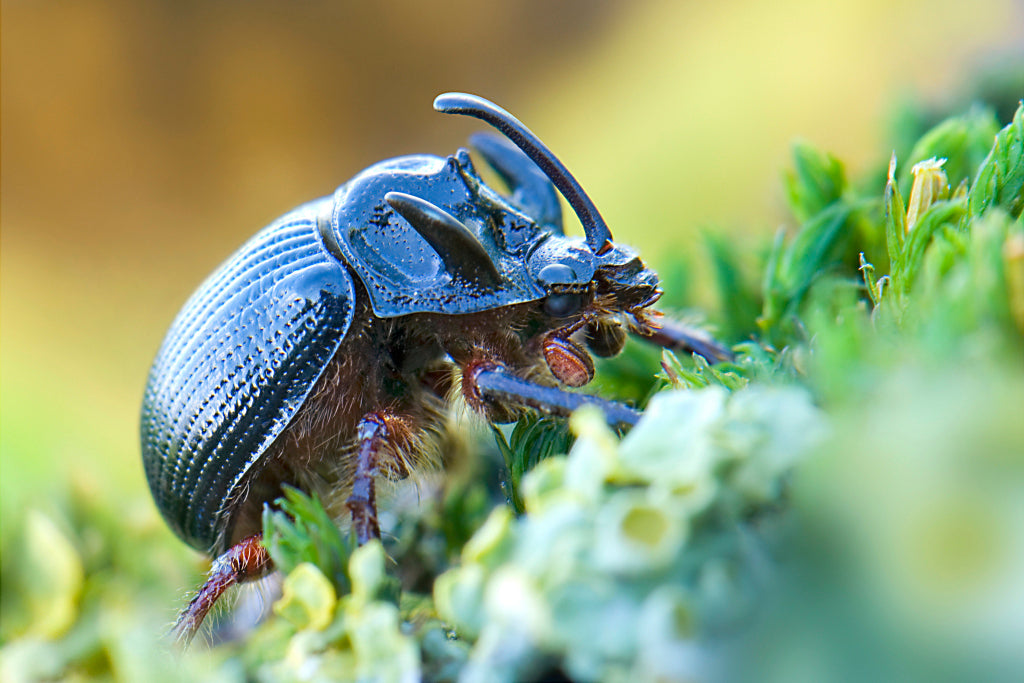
930,185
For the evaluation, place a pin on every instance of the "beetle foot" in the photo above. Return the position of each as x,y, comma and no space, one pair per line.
244,561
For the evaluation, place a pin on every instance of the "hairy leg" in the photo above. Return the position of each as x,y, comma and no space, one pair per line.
244,561
490,381
675,336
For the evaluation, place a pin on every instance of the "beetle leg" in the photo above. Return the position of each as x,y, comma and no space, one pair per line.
244,561
675,336
490,381
372,432
567,360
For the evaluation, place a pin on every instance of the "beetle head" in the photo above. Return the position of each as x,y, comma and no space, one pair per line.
563,267
427,234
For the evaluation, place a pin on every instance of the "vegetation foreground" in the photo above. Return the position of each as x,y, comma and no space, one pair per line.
845,499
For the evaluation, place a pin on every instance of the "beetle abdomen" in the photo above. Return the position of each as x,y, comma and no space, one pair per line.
236,365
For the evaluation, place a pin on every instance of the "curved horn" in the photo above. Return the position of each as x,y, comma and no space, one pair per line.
532,191
598,235
463,254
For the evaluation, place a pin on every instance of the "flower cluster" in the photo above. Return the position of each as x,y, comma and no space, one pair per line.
625,546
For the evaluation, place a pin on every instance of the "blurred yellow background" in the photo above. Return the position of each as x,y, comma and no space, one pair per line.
143,141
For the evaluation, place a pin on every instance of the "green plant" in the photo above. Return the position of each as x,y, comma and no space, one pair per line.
842,500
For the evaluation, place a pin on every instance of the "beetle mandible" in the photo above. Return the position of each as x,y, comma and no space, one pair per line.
323,353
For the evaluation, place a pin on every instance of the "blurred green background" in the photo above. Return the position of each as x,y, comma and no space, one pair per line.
143,141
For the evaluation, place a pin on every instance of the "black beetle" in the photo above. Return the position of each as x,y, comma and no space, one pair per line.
324,352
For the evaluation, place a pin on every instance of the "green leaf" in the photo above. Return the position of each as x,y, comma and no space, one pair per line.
873,285
948,212
300,530
1000,180
812,249
739,301
774,295
534,438
816,248
308,598
815,182
678,376
963,141
895,222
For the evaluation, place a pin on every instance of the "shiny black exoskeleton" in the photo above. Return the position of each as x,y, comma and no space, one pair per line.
324,351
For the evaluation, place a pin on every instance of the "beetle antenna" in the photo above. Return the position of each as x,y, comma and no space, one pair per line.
599,237
461,251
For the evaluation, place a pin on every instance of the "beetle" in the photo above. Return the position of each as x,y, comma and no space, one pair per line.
326,350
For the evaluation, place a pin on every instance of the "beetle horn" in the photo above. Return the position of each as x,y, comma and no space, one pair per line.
463,254
599,237
532,191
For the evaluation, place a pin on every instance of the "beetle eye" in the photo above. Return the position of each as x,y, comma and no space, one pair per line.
562,305
556,274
